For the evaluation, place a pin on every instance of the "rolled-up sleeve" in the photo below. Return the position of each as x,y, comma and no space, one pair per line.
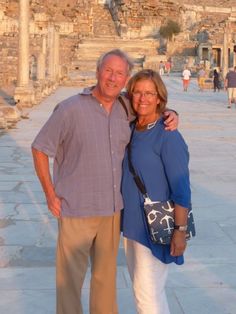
52,133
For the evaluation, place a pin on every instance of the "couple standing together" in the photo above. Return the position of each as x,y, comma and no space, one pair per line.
87,135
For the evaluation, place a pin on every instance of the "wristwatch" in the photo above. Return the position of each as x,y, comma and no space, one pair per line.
181,228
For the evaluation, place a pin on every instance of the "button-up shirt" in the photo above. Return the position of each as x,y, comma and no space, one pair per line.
88,146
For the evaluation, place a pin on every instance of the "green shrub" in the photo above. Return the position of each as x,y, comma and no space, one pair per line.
171,28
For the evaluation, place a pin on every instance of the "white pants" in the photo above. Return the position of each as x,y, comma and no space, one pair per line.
148,275
161,71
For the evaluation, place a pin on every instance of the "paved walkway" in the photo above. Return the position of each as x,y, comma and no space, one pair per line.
206,284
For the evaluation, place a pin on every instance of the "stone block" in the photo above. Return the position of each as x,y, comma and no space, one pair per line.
10,113
3,122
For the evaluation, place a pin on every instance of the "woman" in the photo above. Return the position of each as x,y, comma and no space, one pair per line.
216,80
160,158
186,79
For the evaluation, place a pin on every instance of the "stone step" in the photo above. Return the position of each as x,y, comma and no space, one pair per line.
90,65
113,45
117,40
91,49
94,55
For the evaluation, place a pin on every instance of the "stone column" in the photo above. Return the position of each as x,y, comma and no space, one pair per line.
41,64
225,51
41,67
56,54
24,94
51,54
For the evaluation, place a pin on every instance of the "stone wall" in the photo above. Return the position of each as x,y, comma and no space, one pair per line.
8,58
74,19
199,23
79,19
141,18
40,21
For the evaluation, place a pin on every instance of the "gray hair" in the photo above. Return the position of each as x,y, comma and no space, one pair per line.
118,53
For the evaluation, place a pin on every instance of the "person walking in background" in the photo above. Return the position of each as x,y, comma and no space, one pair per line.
161,68
168,67
216,81
161,159
186,78
86,135
230,86
201,79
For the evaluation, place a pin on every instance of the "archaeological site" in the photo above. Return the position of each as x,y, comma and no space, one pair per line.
44,44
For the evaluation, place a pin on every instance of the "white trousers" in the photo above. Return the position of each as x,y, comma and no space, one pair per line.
148,275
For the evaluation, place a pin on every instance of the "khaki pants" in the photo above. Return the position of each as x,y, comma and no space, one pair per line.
79,239
231,94
201,82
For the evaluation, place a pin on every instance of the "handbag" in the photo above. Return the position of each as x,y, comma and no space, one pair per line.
159,215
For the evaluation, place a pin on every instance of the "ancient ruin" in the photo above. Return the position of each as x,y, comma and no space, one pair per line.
43,44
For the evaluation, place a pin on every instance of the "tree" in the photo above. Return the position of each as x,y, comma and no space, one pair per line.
171,28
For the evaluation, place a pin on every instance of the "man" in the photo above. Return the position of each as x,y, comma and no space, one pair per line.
186,78
230,86
161,68
87,135
201,79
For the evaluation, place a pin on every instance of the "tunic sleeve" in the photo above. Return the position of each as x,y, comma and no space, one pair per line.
175,158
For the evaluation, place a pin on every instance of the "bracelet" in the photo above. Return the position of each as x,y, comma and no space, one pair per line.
181,228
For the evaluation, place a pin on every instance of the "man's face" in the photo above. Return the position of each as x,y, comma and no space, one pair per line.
112,76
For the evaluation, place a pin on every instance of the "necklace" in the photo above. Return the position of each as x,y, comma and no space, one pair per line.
145,126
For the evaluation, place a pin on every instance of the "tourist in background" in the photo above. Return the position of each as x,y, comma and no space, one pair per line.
168,67
161,159
230,86
201,79
186,79
161,68
216,81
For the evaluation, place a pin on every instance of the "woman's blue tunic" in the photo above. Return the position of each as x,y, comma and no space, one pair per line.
161,159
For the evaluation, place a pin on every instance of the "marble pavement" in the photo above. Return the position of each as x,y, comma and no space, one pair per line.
206,284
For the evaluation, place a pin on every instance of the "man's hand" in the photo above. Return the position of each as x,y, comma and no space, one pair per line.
54,205
171,120
41,163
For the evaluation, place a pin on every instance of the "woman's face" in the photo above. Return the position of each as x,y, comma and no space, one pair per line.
145,99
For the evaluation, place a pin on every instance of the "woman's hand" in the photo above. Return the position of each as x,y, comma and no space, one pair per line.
171,120
178,243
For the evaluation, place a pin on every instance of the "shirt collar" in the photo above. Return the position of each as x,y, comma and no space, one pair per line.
87,90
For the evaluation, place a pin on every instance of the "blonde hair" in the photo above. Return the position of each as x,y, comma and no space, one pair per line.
157,81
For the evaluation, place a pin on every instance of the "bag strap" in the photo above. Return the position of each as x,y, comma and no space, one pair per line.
123,104
137,179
